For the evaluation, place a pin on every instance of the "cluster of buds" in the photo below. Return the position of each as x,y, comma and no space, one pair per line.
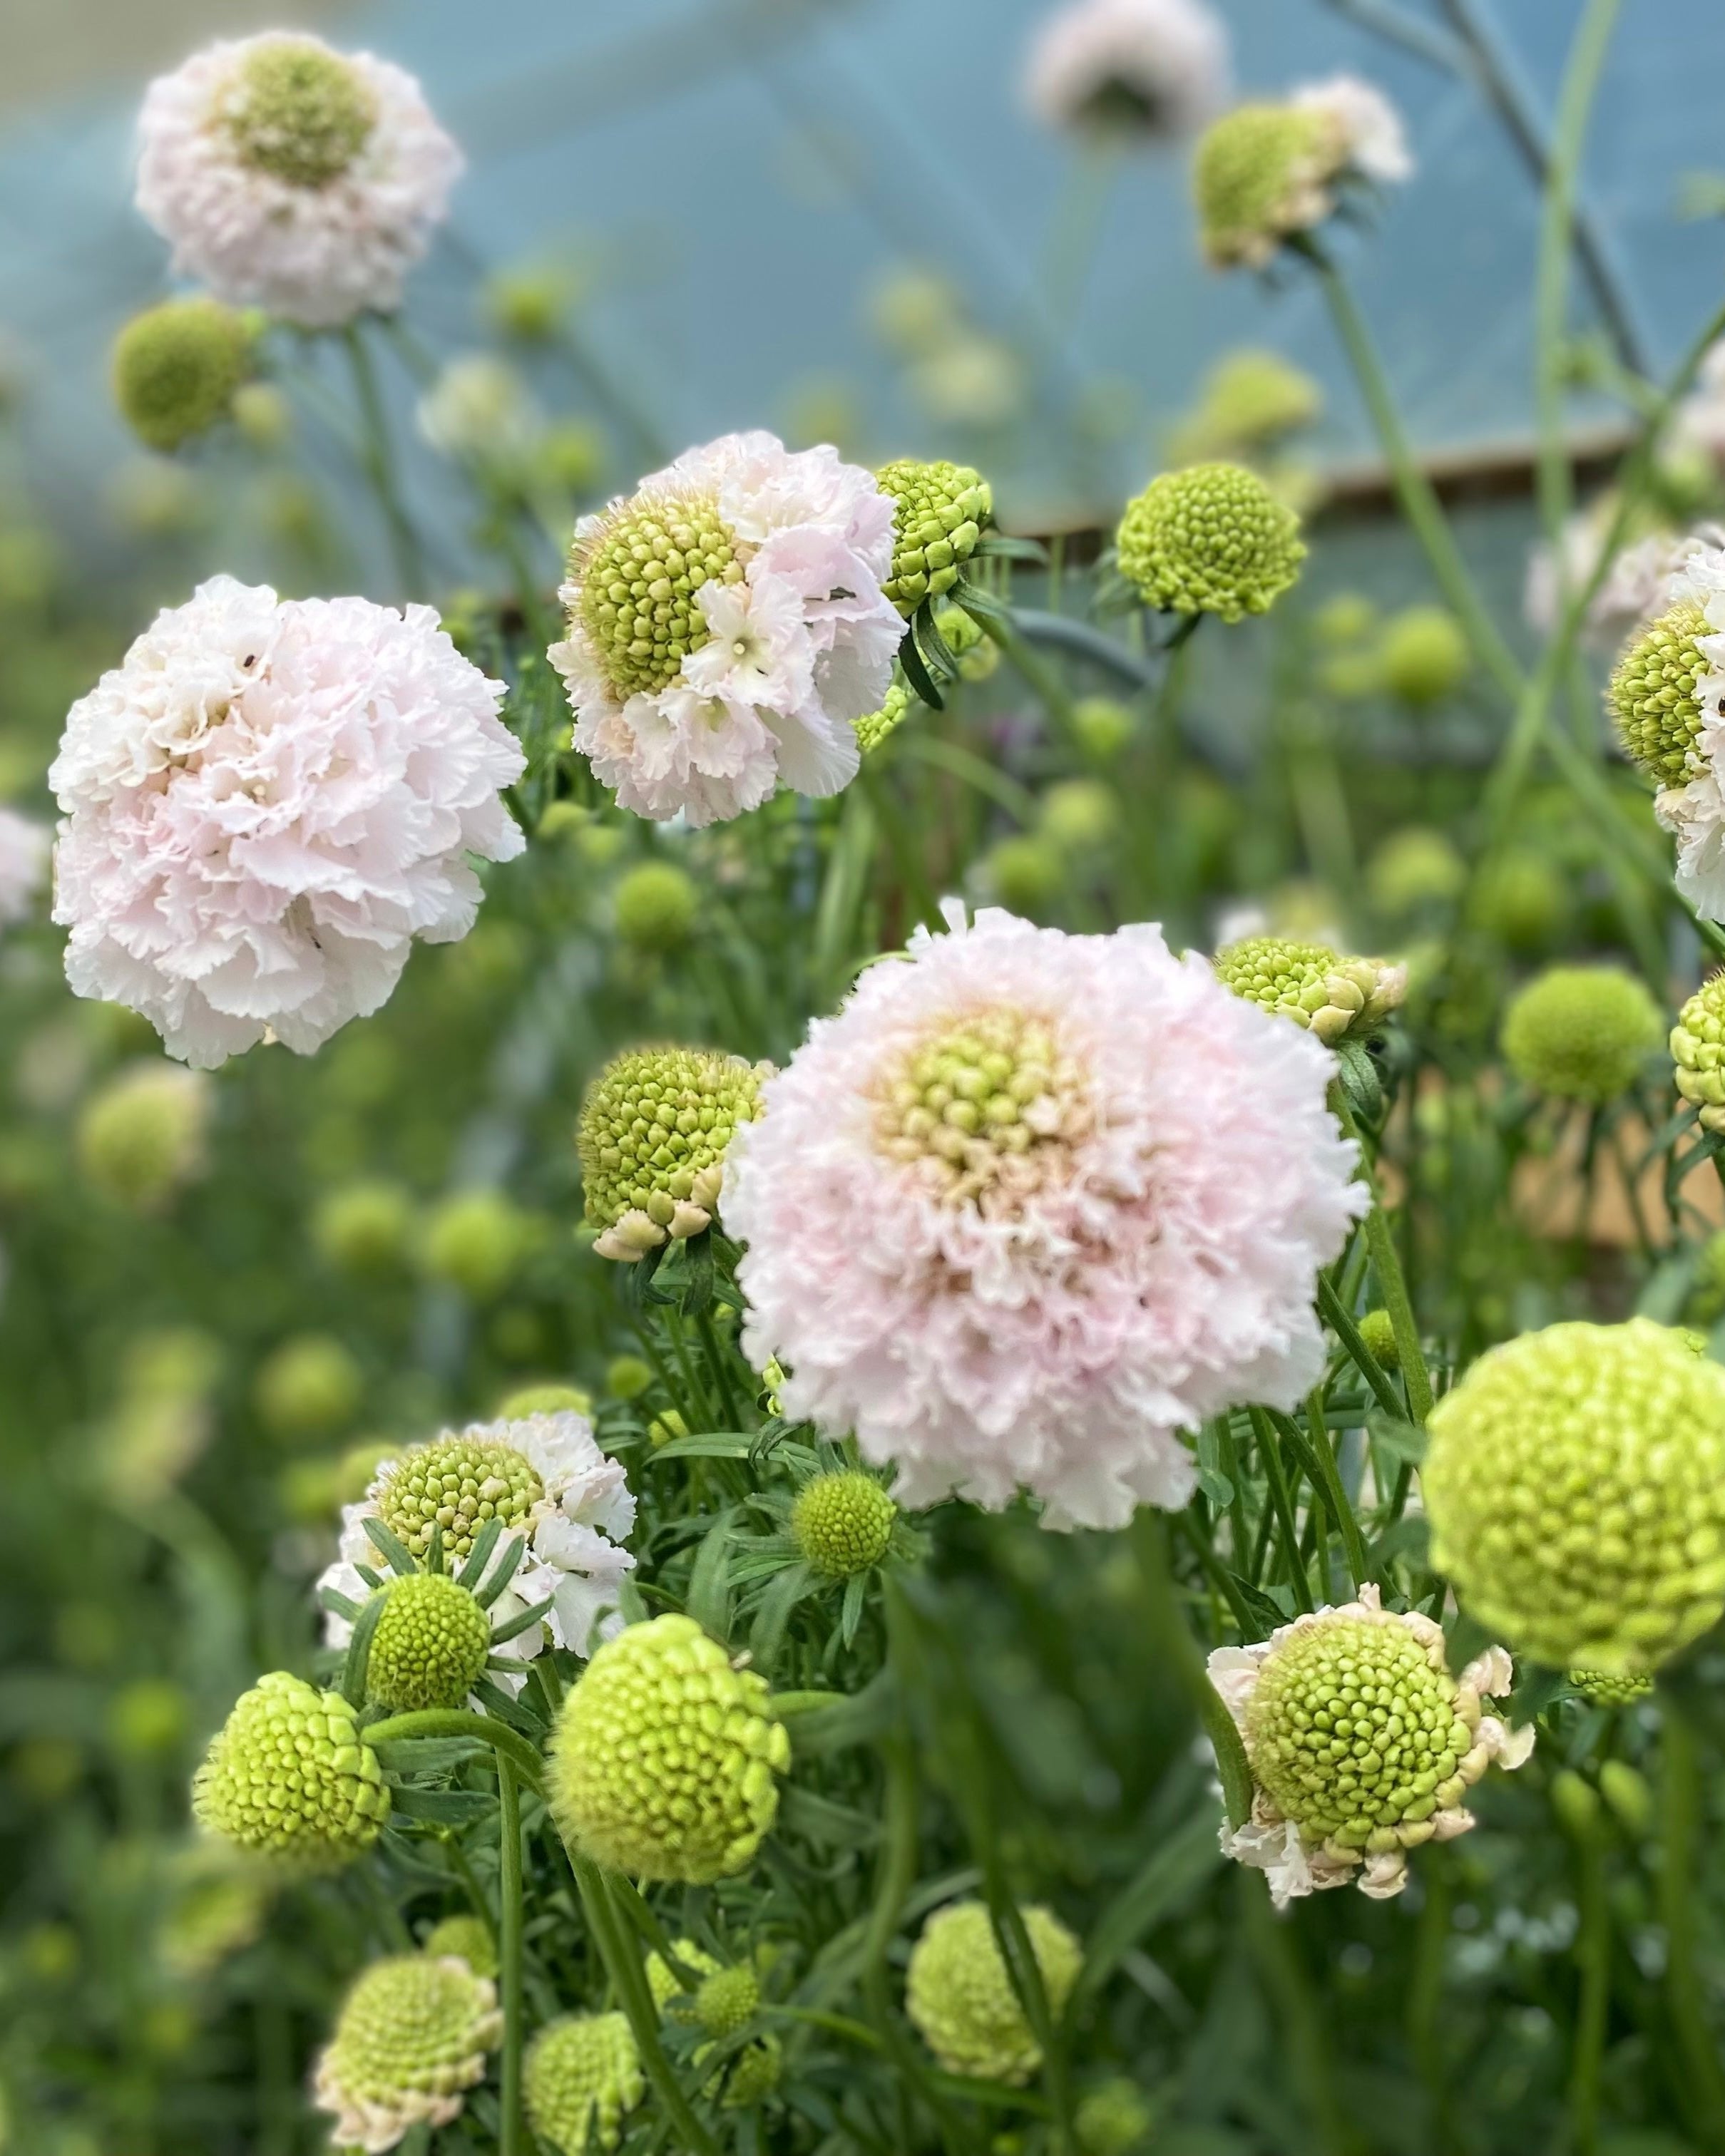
1329,994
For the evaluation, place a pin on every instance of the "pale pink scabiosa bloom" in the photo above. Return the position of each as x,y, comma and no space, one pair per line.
24,847
1419,1740
265,804
293,177
1129,68
553,1489
1374,143
727,624
1031,1205
1633,589
1691,613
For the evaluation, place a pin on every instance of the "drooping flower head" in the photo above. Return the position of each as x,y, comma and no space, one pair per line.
288,1777
1361,1744
1582,1033
547,1483
1575,1484
1311,983
1137,70
1268,171
265,804
409,2041
1212,539
665,1759
961,1999
287,176
939,510
727,625
176,368
582,2073
1030,1203
25,845
652,1138
1698,1052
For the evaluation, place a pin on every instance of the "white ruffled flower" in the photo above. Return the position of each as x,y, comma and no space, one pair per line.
558,1495
25,846
1444,1724
727,624
265,804
290,177
1374,142
1137,67
1634,588
1694,813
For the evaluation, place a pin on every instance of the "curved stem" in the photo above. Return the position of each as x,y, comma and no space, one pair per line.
378,456
1680,1832
1281,1499
456,1721
509,1951
1392,1282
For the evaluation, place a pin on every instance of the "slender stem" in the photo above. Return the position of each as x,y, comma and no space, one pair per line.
378,454
1281,1498
1392,1282
1353,1542
1679,1837
454,1721
1593,1957
509,1951
1150,1543
1334,1313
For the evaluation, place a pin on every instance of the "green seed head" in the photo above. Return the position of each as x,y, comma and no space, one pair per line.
298,112
141,1136
1581,1033
939,513
727,1999
1113,2119
668,1993
874,727
1376,1330
469,1939
1212,539
1316,986
176,368
1522,899
654,1127
843,1523
667,1758
656,907
477,1241
1415,871
410,2039
1575,1484
1698,1053
1425,656
1260,173
1654,694
1609,1691
582,2073
308,1388
430,1646
1251,399
627,1377
1026,871
961,1999
363,1228
288,1777
457,1483
634,571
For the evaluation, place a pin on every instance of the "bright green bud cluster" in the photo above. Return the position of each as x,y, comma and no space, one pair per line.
1212,539
543,1400
1581,1033
430,1646
1251,398
289,1776
668,1994
1698,1052
457,1483
654,1131
1378,1331
635,577
1522,899
1317,987
1416,869
176,368
843,1523
1259,174
310,1386
874,727
970,643
469,1939
1654,693
1355,1731
656,905
1424,656
627,1377
752,2075
478,1240
665,1757
580,2074
364,1227
1113,2119
142,1136
939,510
1081,816
298,112
1026,871
410,2039
727,2000
961,1999
1575,1484
1606,1690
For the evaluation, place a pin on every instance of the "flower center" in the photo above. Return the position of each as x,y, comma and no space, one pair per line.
1655,694
986,1112
299,112
458,1483
637,575
1351,1729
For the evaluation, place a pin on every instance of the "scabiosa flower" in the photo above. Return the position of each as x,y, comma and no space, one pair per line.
265,803
1361,1744
24,847
581,2074
959,1996
430,1646
652,1138
1212,539
410,2040
939,510
1144,69
843,1523
1031,1204
1266,172
290,176
144,1135
1311,983
1575,1484
727,625
288,1777
547,1482
176,368
469,1939
1582,1033
1698,1052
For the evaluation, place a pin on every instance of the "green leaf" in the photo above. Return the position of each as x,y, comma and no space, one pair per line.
359,1651
773,1613
1266,1613
447,1807
921,681
505,1572
826,1824
1211,1480
1167,1880
725,1445
862,1719
1360,1081
484,1543
428,1755
522,1622
1539,1688
1402,1440
709,1602
393,1553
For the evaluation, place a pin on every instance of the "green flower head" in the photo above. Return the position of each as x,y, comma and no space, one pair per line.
469,1939
959,1996
656,905
843,1523
874,727
1378,1331
1653,695
298,112
1261,172
288,1777
582,2074
410,2040
652,1138
1698,1052
1313,985
1212,539
1424,656
1582,1033
939,513
430,1646
176,368
1251,400
1113,2119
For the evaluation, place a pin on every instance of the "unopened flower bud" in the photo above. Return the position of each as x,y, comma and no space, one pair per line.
1212,539
961,1999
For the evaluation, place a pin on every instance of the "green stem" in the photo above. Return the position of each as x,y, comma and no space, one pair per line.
1300,2016
1680,1834
378,456
1353,1542
453,1722
1150,1544
1281,1499
509,1951
1334,1313
1392,1282
1593,1957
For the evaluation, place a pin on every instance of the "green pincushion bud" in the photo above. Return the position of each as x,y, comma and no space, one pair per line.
1576,1803
1378,1331
668,1994
364,1227
1521,898
288,1777
1314,986
1415,869
1081,816
752,2075
430,1646
728,2001
1627,1794
843,1523
1260,174
542,1400
1654,694
1212,539
634,574
1253,397
627,1377
656,906
939,513
652,1138
478,1241
176,369
665,1757
298,112
1698,1042
1424,656
1581,1033
1608,1691
580,2074
141,1137
469,1939
1026,872
977,653
1575,1484
1113,2119
456,1483
1104,726
874,727
410,2040
308,1387
959,1996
